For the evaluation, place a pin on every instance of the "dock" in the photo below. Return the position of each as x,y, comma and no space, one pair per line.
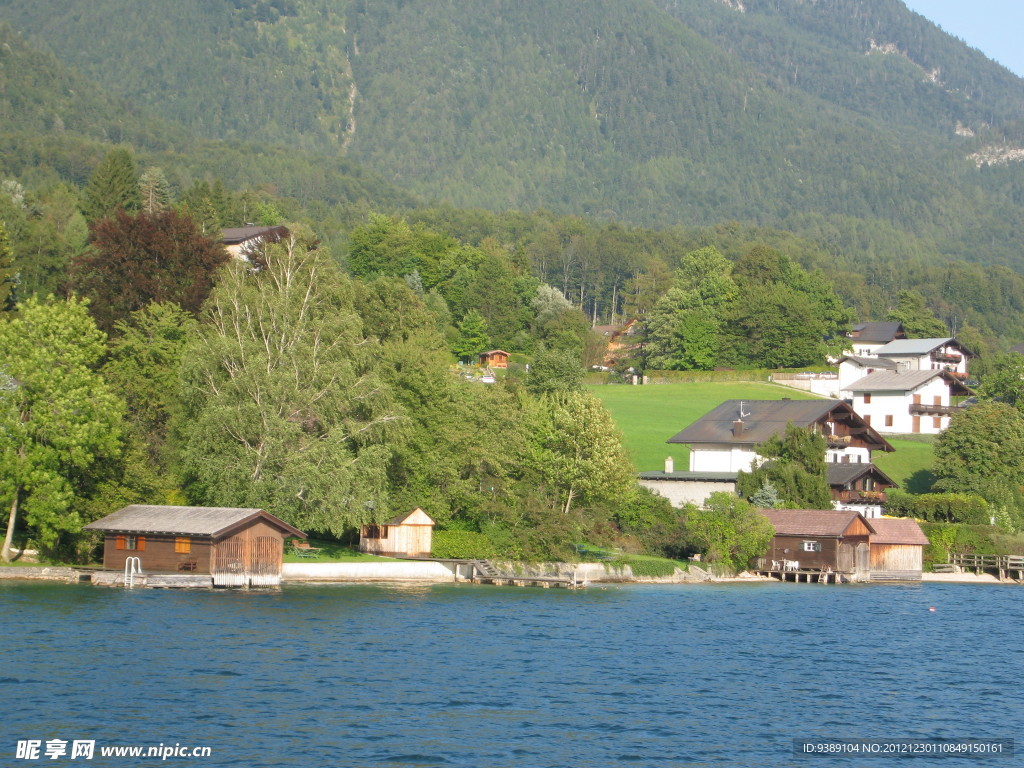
808,575
1005,567
154,580
485,572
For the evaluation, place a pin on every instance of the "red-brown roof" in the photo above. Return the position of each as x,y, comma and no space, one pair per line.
897,530
812,522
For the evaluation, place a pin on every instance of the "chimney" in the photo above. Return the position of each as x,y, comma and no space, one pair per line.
670,466
737,428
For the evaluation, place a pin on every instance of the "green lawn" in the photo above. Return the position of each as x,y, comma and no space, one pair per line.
910,464
331,552
650,415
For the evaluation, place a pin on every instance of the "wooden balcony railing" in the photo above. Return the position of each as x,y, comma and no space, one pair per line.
946,357
861,497
941,410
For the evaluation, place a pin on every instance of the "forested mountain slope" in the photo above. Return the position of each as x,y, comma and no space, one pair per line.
827,117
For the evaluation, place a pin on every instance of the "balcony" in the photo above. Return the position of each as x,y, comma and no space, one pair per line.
838,441
946,357
859,497
934,410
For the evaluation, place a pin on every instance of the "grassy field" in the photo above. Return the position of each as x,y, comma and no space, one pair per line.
648,416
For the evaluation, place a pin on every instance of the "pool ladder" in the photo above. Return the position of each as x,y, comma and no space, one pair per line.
132,566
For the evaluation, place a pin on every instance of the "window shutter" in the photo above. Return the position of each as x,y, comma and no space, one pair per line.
183,545
120,542
140,544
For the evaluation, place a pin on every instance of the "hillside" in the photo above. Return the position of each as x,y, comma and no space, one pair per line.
820,117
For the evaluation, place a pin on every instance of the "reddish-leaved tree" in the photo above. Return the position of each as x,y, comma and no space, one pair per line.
133,260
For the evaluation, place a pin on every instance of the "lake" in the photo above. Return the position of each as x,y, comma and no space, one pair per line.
469,675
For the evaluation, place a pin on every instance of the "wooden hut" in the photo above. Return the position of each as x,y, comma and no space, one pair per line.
407,535
496,358
237,547
818,539
897,549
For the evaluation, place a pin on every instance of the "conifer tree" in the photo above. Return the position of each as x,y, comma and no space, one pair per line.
154,190
113,185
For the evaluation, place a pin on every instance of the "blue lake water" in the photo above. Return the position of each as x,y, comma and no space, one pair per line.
465,675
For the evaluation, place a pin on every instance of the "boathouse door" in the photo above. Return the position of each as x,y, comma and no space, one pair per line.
245,559
863,559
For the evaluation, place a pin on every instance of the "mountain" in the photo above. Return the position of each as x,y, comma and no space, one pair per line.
820,116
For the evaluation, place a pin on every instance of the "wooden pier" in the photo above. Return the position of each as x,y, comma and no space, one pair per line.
808,575
484,572
1005,567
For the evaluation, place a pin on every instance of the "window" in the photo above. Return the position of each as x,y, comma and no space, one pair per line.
867,398
182,545
937,422
888,421
867,420
132,543
376,531
812,546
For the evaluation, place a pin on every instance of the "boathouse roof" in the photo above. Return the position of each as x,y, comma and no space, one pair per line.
185,521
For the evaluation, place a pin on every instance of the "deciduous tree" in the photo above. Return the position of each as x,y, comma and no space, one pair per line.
59,421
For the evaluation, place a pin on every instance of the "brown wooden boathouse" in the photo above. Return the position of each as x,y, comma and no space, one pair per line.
237,547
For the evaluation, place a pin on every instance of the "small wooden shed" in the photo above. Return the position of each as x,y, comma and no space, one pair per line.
496,358
813,539
236,546
407,535
897,549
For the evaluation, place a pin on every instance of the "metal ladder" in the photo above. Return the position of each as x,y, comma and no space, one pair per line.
132,566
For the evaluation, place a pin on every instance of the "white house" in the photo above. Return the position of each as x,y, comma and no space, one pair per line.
915,401
854,368
723,443
867,338
240,241
927,355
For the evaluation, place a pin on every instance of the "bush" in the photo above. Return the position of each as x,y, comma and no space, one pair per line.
939,507
462,545
650,568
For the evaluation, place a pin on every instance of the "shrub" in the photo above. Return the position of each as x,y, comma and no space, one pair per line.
462,545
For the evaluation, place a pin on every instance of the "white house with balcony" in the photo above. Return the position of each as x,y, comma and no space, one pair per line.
724,442
927,355
913,402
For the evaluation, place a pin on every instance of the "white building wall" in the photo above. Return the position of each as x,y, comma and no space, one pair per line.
683,492
896,405
721,458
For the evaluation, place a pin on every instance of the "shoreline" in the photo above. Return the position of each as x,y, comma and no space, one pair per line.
594,574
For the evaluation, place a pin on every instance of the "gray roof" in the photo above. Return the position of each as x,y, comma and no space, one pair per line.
709,477
841,474
188,521
913,346
876,332
235,235
871,362
893,381
763,419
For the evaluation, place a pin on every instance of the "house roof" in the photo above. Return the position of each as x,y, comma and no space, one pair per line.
841,474
495,352
186,521
897,530
763,419
913,346
876,332
905,381
236,235
708,477
416,517
870,362
813,522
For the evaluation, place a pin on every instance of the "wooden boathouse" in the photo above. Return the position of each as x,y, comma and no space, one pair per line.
819,544
897,549
235,546
408,535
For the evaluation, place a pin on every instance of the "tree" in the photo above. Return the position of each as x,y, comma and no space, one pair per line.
154,191
472,338
8,270
135,260
919,322
729,529
1004,380
111,187
143,367
795,467
59,421
983,445
579,451
283,407
554,370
